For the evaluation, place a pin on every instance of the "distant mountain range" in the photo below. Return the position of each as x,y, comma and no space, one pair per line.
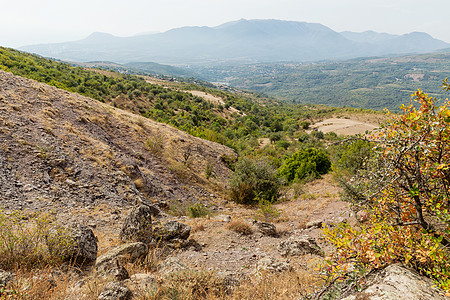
243,41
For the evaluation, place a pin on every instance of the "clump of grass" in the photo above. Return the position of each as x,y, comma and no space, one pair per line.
46,283
198,227
240,226
285,285
191,284
181,171
155,145
197,210
267,212
25,240
208,170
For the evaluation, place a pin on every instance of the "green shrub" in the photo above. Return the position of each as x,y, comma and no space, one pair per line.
24,241
254,180
303,137
305,125
305,163
275,137
197,210
318,134
331,136
283,144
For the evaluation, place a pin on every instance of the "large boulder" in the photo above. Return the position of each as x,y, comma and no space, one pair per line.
299,245
400,283
138,225
76,242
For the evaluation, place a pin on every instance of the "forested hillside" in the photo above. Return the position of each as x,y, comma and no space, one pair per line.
374,83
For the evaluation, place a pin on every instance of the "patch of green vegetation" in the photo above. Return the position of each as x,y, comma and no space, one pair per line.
305,163
197,210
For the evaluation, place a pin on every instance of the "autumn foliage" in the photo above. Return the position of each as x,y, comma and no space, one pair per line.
403,196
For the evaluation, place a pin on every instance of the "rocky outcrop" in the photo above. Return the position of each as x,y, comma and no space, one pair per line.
113,268
138,225
400,283
299,245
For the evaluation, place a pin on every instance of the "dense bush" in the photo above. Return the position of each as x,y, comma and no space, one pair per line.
305,163
254,180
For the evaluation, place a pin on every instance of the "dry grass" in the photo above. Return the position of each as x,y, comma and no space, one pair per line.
190,285
198,226
37,284
34,243
240,226
285,285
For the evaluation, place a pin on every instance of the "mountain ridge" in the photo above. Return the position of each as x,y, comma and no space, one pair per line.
239,41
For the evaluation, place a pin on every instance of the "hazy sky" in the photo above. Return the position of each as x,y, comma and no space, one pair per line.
24,22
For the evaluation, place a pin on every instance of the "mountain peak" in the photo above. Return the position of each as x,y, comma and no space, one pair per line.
100,36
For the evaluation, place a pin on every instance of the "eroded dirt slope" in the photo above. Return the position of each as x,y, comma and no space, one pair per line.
61,150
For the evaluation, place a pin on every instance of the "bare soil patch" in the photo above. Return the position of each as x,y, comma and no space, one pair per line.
344,126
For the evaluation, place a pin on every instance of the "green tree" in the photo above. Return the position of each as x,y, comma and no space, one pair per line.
310,162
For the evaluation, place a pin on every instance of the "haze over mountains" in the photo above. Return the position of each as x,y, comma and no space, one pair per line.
242,41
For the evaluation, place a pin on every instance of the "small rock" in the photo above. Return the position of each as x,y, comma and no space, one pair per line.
5,277
83,248
314,224
113,268
266,228
172,230
171,265
223,218
299,245
134,250
272,265
115,291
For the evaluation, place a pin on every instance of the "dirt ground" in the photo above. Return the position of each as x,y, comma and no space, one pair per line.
227,251
344,126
